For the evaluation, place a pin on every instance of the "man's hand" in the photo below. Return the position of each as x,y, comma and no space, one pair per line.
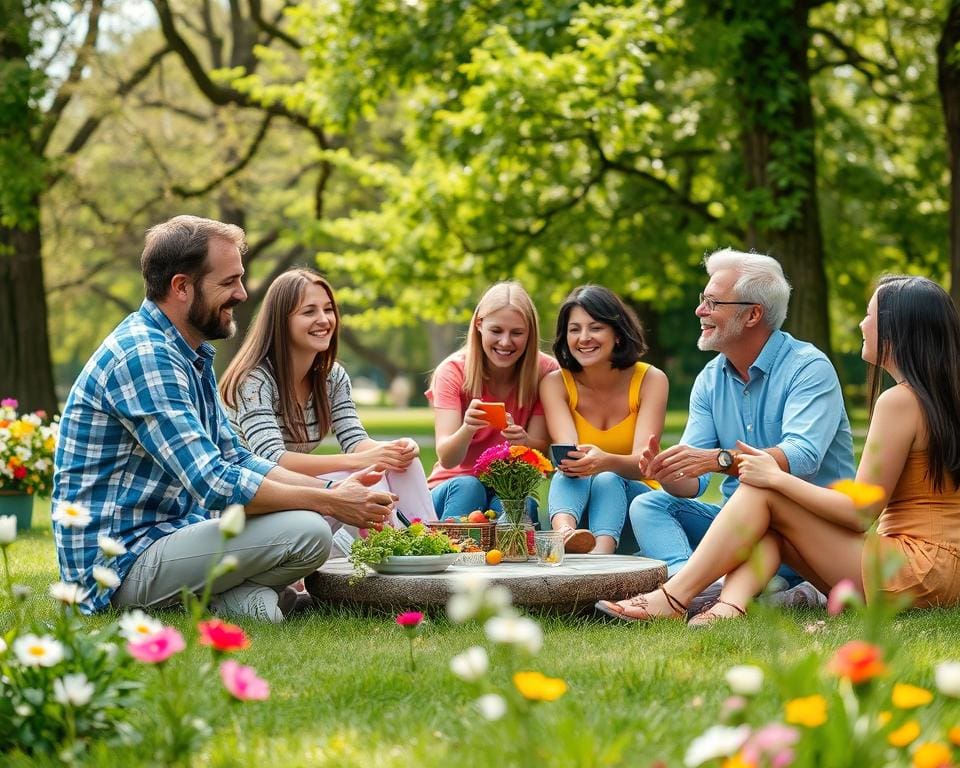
353,502
757,468
682,462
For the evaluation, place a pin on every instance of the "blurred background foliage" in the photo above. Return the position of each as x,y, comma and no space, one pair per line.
417,150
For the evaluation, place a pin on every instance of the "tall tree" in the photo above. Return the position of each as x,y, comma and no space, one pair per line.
948,60
28,171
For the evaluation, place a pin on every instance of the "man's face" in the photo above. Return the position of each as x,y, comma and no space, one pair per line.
721,329
217,292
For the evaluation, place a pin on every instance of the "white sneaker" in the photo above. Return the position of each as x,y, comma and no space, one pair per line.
804,595
248,599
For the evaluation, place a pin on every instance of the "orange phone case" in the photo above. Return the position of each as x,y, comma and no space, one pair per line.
496,414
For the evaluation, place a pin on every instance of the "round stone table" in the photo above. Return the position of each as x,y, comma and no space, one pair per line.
574,585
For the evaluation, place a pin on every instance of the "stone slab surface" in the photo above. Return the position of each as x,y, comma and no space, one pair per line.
574,585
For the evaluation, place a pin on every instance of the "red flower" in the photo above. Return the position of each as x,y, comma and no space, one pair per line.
222,636
858,661
410,619
19,472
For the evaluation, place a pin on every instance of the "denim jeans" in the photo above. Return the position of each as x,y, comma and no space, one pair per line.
604,498
669,528
461,495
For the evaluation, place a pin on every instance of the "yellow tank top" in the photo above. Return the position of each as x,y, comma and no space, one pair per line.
619,438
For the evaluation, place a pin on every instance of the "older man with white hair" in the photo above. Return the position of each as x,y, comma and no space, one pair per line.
764,388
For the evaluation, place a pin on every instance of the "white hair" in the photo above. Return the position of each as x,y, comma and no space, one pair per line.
760,281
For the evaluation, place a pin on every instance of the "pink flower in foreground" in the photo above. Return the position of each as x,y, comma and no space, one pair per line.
844,594
242,682
495,453
9,402
771,745
158,647
410,619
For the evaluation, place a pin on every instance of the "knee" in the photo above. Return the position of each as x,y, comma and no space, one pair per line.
604,481
650,505
313,538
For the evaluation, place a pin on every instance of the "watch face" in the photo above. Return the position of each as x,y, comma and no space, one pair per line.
724,459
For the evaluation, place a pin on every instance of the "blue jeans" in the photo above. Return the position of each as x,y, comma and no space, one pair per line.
462,494
669,528
604,498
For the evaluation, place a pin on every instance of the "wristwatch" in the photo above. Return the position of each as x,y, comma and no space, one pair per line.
725,459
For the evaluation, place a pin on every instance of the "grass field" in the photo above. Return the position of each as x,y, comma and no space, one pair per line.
341,693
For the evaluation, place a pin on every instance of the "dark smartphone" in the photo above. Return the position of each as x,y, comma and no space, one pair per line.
559,451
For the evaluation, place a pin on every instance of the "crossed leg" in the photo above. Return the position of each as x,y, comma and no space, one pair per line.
756,530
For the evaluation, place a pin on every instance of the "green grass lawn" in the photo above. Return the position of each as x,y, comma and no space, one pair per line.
342,695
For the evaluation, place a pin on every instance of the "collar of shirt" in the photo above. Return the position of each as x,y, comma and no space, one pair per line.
765,360
199,358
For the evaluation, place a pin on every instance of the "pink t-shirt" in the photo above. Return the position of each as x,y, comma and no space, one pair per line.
447,393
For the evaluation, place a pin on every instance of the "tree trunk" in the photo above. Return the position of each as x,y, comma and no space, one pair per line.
25,370
948,81
773,85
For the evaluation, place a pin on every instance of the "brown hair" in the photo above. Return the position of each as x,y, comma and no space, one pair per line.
179,247
267,341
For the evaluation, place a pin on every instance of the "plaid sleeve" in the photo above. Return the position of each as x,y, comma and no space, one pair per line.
149,390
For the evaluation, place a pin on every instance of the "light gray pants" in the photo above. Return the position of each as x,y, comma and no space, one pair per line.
274,550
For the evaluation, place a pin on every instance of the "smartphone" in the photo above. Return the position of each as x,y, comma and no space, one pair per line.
496,414
559,451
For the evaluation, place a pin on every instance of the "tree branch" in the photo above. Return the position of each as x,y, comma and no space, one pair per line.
65,92
272,30
233,171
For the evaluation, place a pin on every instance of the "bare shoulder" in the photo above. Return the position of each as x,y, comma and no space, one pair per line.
898,400
655,376
898,413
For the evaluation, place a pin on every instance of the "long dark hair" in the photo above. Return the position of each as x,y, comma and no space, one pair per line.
604,306
918,329
267,341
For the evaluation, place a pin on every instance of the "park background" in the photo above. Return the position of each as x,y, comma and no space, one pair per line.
416,151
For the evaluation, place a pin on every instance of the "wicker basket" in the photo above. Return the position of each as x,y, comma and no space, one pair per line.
482,533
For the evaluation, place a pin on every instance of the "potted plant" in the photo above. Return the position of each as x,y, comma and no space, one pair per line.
27,443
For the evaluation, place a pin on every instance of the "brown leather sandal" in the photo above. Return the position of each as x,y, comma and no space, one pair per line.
617,611
709,615
579,542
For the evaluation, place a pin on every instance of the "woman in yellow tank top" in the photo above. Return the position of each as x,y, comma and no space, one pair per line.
912,452
607,404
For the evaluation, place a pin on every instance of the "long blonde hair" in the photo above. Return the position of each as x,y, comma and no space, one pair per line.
267,341
505,295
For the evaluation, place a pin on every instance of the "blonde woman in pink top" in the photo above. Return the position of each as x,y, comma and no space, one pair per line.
500,362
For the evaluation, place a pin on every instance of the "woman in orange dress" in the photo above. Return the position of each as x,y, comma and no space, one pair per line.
912,452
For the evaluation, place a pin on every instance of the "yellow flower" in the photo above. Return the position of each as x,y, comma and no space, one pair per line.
932,755
20,428
737,761
862,495
909,696
954,735
905,734
809,711
538,687
49,444
883,718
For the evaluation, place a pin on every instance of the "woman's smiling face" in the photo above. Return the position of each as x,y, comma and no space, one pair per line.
503,337
589,340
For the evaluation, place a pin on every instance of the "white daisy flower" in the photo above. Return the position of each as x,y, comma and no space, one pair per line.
71,515
68,594
136,625
73,690
33,651
106,578
111,547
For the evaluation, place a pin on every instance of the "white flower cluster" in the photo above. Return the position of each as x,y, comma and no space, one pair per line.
475,597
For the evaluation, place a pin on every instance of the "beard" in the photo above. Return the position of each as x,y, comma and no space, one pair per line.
205,319
723,338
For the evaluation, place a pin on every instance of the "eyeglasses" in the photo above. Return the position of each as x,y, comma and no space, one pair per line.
712,304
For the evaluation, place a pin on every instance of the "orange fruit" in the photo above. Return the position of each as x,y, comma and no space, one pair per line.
476,517
494,557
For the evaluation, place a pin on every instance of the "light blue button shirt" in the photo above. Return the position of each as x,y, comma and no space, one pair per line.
792,402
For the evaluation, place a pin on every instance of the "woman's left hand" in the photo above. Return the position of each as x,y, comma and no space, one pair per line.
757,468
587,460
514,433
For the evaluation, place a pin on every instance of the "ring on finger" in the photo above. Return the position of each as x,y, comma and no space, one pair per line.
679,474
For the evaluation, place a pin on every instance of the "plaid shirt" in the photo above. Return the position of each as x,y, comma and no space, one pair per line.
145,445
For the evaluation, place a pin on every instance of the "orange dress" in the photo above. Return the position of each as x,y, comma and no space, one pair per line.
922,527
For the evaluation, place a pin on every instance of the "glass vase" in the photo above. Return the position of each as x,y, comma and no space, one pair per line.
515,532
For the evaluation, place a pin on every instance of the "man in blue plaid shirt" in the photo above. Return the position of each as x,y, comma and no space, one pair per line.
146,448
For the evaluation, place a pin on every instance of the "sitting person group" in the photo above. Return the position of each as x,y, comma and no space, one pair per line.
154,454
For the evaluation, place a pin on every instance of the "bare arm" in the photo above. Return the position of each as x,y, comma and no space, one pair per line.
455,430
556,409
896,423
